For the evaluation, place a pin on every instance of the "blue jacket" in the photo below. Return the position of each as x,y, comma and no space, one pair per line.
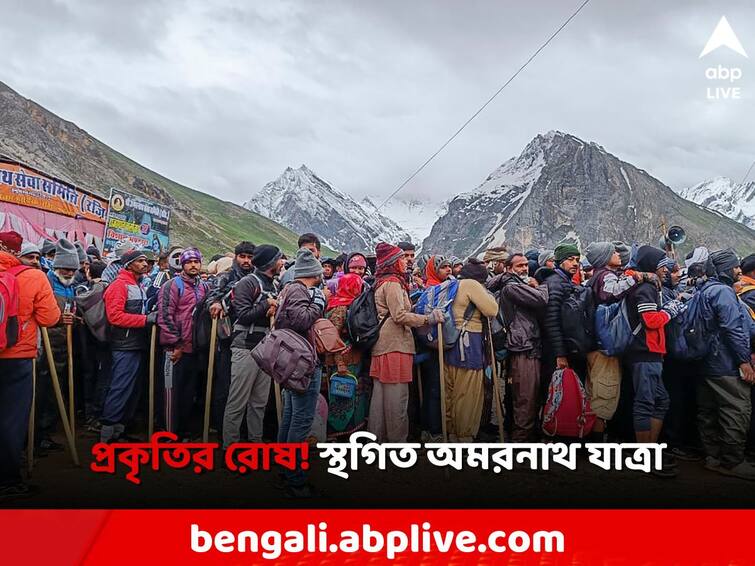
730,331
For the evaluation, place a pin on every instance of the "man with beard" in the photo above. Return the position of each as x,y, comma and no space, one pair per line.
125,305
176,303
61,278
723,393
30,255
219,300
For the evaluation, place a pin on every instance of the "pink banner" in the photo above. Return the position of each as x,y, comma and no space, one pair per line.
35,224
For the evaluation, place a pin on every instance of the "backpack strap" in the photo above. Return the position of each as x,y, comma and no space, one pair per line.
745,289
17,269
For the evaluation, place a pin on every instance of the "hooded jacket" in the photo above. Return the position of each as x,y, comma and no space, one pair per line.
730,330
522,307
37,307
125,305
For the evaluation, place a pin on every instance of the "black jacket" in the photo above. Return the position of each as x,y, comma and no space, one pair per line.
225,283
250,308
559,283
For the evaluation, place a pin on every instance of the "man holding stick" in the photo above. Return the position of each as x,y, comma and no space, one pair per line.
37,307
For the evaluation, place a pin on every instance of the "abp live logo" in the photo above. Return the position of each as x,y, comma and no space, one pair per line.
723,36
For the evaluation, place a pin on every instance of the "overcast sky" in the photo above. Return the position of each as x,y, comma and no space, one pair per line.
223,95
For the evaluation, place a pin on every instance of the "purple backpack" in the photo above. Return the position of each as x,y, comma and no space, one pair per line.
287,357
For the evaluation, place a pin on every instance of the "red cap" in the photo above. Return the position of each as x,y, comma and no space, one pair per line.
11,242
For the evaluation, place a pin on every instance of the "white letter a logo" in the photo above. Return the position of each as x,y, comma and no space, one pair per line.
723,35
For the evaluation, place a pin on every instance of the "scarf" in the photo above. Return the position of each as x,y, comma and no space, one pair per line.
430,274
349,288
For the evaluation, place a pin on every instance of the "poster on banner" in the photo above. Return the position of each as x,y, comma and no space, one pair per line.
137,219
24,186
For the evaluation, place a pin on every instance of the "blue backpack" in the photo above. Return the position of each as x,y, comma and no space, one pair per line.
441,297
688,336
612,328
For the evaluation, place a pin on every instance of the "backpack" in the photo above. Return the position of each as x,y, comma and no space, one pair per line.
362,320
688,336
442,297
287,357
613,330
567,410
201,319
92,306
747,307
10,330
578,320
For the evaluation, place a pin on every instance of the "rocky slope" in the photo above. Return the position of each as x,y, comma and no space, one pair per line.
734,200
561,187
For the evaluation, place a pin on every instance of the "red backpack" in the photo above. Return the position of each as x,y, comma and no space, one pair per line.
567,411
9,300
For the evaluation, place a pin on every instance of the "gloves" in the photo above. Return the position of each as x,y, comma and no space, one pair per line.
436,316
152,318
674,308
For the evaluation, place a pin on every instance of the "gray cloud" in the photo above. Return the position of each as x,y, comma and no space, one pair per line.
222,96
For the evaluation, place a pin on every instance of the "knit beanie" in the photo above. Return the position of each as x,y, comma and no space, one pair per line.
131,256
66,255
191,254
28,248
564,251
748,264
724,260
625,252
47,247
244,248
306,264
544,257
599,253
387,254
93,253
265,256
81,253
357,260
11,242
649,258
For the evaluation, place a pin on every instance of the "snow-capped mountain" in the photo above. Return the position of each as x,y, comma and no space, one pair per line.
562,188
737,201
415,215
303,202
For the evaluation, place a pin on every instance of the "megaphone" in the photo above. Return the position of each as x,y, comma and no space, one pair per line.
676,235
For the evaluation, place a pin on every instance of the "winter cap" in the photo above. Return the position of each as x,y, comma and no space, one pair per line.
624,251
698,255
406,246
724,260
11,242
265,256
544,257
244,248
599,253
387,254
357,260
47,247
93,252
667,262
748,264
66,255
131,256
191,254
564,251
441,261
81,253
28,248
649,258
474,269
585,264
306,264
495,254
122,247
328,261
455,261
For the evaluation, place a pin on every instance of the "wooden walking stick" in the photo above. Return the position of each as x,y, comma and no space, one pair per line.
71,405
59,397
30,438
210,375
496,385
442,375
151,393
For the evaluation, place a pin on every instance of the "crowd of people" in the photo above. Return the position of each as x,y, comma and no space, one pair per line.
101,315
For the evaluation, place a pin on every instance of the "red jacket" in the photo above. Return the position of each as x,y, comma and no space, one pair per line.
37,307
125,305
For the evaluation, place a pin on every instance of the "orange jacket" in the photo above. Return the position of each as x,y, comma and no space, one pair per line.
37,307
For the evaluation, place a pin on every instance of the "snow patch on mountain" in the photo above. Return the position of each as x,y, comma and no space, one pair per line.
734,200
414,214
304,202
